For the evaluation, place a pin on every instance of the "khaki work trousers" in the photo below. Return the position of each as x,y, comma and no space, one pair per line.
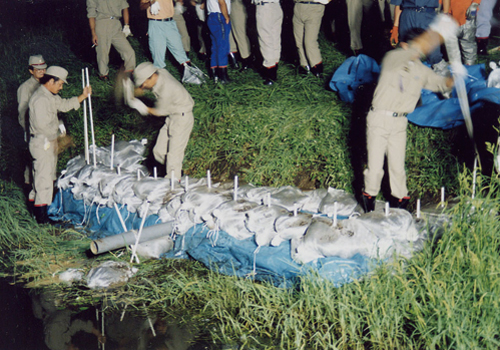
306,25
109,32
183,31
386,136
44,170
172,141
269,20
355,10
238,40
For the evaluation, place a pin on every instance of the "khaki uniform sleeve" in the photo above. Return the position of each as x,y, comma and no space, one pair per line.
435,82
22,100
91,8
65,105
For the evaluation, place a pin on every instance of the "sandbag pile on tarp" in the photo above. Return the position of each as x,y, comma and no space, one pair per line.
261,231
435,110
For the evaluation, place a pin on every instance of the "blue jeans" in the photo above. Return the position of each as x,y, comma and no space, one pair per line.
219,33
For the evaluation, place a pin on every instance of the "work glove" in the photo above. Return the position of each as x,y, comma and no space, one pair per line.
126,30
200,12
394,36
155,8
128,90
179,8
62,128
46,144
446,26
472,10
139,106
458,70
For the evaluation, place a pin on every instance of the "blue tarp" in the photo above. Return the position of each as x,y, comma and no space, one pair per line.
435,111
215,249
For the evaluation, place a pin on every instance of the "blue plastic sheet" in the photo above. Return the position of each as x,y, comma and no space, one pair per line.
215,249
435,110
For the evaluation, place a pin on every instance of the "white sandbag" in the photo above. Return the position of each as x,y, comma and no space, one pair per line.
202,200
288,197
346,203
71,275
110,274
292,227
230,218
260,221
193,75
314,199
74,165
154,248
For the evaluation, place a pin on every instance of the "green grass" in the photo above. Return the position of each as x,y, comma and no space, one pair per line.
295,132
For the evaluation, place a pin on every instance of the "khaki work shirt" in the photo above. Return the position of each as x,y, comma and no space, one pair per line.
166,10
402,78
172,96
24,94
44,106
100,9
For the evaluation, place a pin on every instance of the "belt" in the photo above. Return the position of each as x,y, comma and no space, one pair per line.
421,9
265,2
388,113
309,2
162,20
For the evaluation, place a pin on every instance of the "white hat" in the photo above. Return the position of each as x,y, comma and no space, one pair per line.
58,72
143,71
37,62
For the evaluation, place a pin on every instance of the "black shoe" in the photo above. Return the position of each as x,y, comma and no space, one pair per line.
482,46
270,75
245,63
223,77
104,77
367,202
317,70
41,215
233,62
304,70
358,52
400,203
214,72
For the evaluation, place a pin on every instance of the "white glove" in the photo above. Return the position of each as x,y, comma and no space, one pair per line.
458,70
472,10
200,12
46,144
155,8
126,30
128,90
446,26
139,106
179,8
62,129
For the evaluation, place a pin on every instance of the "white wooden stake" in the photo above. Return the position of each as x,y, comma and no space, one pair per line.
474,178
235,196
387,209
102,328
335,205
118,170
134,248
186,183
442,197
91,118
172,182
418,208
112,150
209,179
85,127
155,174
124,230
138,174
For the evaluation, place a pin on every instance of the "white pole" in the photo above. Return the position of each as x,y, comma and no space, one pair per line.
155,174
235,195
85,127
418,208
91,117
118,170
209,179
442,197
134,248
172,182
112,150
474,178
335,205
269,200
102,328
187,183
124,230
138,174
294,211
387,208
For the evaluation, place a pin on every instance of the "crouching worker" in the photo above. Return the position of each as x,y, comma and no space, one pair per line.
174,102
44,129
402,78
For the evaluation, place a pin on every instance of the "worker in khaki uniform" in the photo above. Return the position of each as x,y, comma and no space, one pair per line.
269,18
37,68
179,10
44,128
401,80
238,40
307,16
104,20
174,102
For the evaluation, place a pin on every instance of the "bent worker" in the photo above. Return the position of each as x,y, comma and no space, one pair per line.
37,68
45,127
401,80
175,103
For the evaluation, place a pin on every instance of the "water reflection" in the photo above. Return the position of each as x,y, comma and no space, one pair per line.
34,320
